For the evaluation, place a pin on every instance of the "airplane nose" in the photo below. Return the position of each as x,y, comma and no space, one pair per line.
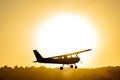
78,59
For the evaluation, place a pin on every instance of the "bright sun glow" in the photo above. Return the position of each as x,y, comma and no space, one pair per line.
66,33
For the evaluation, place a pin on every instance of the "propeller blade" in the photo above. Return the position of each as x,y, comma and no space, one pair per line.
81,62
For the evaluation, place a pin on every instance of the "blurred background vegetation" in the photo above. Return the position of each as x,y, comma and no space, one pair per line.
43,73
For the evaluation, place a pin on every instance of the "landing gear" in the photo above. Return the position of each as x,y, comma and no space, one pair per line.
71,66
75,67
61,68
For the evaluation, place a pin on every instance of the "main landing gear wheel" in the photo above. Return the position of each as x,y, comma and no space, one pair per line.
71,66
61,68
75,67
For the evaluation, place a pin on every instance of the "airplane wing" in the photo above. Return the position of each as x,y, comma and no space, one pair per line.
70,54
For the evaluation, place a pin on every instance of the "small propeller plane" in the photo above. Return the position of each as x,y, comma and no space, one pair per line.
68,59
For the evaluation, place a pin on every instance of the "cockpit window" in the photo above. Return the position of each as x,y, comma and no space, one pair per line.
69,56
74,56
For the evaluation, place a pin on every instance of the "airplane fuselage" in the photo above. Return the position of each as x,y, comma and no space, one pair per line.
60,61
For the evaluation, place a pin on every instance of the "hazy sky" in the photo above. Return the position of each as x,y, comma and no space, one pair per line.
18,20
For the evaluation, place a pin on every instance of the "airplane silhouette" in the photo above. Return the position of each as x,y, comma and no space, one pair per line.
68,59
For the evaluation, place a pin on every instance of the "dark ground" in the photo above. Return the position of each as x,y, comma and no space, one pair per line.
43,73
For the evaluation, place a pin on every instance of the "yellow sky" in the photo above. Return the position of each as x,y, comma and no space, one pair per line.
18,20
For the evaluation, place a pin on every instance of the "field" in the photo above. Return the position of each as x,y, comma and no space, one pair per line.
43,73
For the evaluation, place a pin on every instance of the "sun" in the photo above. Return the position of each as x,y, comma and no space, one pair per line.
65,33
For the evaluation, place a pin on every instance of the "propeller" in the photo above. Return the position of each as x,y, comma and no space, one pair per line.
81,62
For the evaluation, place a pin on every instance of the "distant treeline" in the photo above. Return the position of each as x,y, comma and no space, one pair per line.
43,73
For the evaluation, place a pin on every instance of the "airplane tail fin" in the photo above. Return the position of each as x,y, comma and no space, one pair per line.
37,55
